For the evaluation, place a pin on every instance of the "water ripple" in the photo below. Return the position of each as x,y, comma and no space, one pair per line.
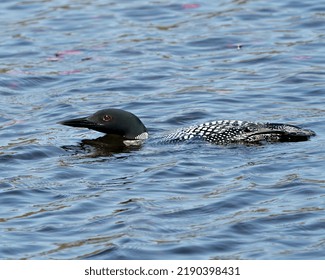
64,196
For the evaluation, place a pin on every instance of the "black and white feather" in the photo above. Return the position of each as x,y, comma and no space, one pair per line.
232,131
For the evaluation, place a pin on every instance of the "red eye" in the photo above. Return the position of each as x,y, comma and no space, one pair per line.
107,118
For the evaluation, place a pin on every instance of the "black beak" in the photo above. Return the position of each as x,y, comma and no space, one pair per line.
80,122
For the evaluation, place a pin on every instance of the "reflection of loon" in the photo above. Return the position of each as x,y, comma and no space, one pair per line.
132,131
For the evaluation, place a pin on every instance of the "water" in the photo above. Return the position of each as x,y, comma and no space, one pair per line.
173,64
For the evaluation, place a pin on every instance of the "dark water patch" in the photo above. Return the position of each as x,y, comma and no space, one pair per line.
187,117
139,87
299,78
315,93
210,44
30,152
151,12
129,52
29,82
266,58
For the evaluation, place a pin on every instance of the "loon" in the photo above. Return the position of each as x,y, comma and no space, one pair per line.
130,129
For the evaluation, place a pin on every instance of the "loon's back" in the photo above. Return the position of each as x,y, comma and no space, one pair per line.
231,131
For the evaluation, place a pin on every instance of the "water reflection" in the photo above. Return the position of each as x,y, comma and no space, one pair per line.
107,145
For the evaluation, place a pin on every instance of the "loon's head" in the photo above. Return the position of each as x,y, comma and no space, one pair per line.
113,122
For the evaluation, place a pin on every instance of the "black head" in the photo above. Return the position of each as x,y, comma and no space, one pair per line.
113,122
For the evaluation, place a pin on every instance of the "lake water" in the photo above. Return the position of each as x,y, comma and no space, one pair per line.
173,64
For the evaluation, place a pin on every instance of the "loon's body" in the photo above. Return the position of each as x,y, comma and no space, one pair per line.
241,132
132,131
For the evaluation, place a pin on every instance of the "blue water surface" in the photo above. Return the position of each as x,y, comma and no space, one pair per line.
173,64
